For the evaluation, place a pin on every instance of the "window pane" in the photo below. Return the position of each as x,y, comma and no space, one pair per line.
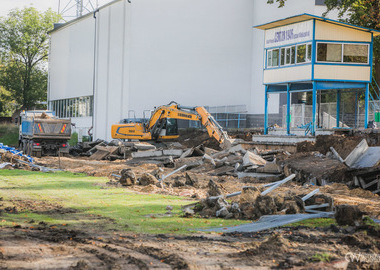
293,59
309,51
287,59
275,55
282,56
355,53
301,53
269,64
329,52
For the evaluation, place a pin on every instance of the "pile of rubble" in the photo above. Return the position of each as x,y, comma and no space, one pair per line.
11,158
254,202
102,150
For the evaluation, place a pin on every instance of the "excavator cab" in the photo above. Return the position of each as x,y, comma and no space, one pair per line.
165,128
171,127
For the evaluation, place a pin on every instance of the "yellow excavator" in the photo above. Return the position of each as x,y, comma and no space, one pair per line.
162,125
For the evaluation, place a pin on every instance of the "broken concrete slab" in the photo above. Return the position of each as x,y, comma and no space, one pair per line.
187,153
270,167
209,159
222,170
102,152
143,146
172,152
363,156
147,154
260,176
271,221
250,159
237,148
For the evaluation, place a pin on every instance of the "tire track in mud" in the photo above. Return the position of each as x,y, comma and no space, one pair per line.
78,250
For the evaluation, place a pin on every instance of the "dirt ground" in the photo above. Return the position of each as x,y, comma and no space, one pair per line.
293,247
57,247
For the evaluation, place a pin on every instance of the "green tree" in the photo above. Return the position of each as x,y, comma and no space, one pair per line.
24,44
364,13
281,3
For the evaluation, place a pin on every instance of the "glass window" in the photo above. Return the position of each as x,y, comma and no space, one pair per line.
282,56
275,57
293,55
287,56
269,62
301,53
329,52
354,53
309,53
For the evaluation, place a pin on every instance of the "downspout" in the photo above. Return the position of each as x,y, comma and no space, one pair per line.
94,77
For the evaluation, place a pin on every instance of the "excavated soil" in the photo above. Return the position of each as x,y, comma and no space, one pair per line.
341,143
60,248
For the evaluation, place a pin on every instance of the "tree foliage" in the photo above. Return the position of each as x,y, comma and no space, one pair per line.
281,3
24,44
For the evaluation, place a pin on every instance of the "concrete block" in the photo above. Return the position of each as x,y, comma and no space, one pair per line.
270,167
147,154
237,148
173,152
356,153
187,153
144,146
250,159
209,159
260,176
363,156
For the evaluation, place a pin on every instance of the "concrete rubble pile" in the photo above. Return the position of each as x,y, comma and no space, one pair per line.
236,161
253,202
102,150
361,167
363,163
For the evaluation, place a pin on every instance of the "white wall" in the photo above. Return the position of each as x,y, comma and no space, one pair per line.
71,61
149,52
152,52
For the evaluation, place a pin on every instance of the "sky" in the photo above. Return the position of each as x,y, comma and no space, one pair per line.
42,5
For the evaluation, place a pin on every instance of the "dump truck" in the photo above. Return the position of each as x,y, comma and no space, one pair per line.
42,133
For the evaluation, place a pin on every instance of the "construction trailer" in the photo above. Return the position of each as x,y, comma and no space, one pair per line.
308,53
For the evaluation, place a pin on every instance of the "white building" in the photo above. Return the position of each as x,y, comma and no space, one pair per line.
134,56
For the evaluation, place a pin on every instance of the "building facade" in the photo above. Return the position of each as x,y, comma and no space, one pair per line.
129,57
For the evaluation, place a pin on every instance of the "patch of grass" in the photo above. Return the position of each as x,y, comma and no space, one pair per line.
97,205
9,134
322,257
370,222
316,222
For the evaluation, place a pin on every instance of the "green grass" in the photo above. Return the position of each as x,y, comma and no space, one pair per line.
9,134
98,206
316,222
322,257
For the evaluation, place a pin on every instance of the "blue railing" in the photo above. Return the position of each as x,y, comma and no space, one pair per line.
376,96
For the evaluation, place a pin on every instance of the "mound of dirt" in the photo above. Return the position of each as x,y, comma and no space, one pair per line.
276,243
